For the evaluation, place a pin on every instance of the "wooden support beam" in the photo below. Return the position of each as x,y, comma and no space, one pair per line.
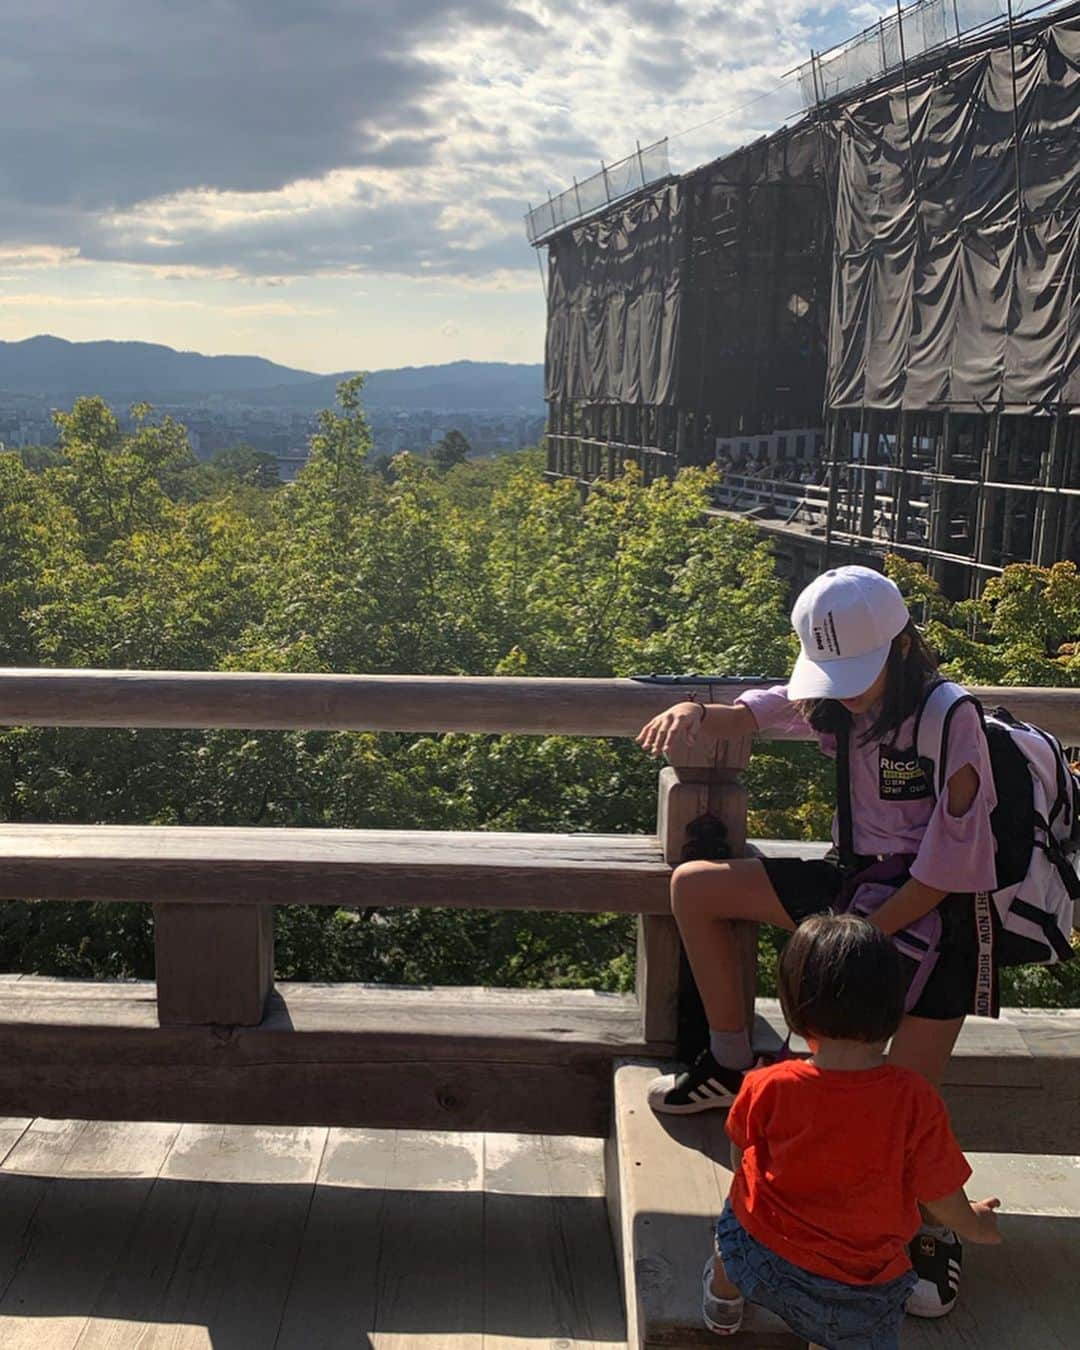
703,778
941,495
901,482
985,501
214,964
531,1061
1048,508
869,477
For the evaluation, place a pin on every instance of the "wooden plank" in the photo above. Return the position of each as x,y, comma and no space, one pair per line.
213,964
667,1180
432,703
1030,1183
586,873
544,1212
405,1210
541,1210
332,1295
210,1261
446,1205
1019,1296
83,1148
520,1061
518,1020
543,1067
96,1184
12,1129
787,848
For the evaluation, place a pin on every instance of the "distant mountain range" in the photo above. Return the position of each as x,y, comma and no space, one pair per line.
51,367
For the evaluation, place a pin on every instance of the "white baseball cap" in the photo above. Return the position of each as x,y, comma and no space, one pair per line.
846,620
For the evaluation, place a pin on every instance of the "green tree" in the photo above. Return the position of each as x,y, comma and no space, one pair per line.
125,552
245,464
453,449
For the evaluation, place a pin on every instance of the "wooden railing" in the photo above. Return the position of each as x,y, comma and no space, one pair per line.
407,703
213,890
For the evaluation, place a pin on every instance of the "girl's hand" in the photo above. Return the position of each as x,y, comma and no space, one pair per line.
680,722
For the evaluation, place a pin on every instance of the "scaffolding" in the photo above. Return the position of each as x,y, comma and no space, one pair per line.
696,312
877,306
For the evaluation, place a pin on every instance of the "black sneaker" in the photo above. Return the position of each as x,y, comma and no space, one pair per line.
705,1086
936,1256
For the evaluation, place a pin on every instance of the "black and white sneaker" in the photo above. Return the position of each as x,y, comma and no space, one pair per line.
705,1086
936,1255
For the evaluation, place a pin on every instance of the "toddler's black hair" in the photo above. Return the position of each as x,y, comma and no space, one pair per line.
841,978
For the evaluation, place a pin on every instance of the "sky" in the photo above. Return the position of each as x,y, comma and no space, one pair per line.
341,184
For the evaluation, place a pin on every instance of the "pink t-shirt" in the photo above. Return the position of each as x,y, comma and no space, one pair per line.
893,810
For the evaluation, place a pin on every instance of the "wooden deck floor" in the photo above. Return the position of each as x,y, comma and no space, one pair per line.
121,1236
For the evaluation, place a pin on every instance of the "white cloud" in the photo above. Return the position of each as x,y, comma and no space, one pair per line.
169,163
281,139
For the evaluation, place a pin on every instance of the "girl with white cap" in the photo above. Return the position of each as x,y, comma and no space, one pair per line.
861,675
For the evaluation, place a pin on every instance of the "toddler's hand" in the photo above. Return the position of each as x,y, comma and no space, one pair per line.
985,1229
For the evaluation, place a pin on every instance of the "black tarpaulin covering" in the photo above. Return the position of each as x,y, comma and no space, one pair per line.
614,298
942,294
756,304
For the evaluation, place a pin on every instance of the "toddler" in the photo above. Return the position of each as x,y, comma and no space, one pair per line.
833,1156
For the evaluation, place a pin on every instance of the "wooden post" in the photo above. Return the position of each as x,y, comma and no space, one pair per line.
1045,527
214,963
984,509
868,496
941,497
901,490
835,436
703,779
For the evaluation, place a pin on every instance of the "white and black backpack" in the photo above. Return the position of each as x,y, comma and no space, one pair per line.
1036,825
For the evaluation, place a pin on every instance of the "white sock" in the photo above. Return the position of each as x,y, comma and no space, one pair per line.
731,1049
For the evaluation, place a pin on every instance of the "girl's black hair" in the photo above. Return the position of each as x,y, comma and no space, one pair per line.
906,679
840,977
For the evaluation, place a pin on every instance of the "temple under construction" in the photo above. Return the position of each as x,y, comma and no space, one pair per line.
869,320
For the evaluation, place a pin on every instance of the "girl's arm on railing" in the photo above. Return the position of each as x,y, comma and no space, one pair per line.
691,721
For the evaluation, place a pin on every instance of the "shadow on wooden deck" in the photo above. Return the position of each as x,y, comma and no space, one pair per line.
300,1243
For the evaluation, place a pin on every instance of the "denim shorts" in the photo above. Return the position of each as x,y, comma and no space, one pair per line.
837,1316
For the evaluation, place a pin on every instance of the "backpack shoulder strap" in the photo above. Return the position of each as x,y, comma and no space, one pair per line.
846,829
932,720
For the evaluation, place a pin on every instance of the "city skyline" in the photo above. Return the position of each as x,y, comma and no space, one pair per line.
334,185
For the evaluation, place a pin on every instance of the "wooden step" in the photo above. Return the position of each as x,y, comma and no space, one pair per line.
1021,1295
666,1181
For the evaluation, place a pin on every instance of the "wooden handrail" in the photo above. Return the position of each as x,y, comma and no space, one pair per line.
416,703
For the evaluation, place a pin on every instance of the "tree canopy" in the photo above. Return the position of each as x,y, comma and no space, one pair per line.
124,551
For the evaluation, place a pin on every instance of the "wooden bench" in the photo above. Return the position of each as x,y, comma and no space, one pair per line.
213,888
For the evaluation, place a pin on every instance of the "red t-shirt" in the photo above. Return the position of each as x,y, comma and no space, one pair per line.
834,1162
